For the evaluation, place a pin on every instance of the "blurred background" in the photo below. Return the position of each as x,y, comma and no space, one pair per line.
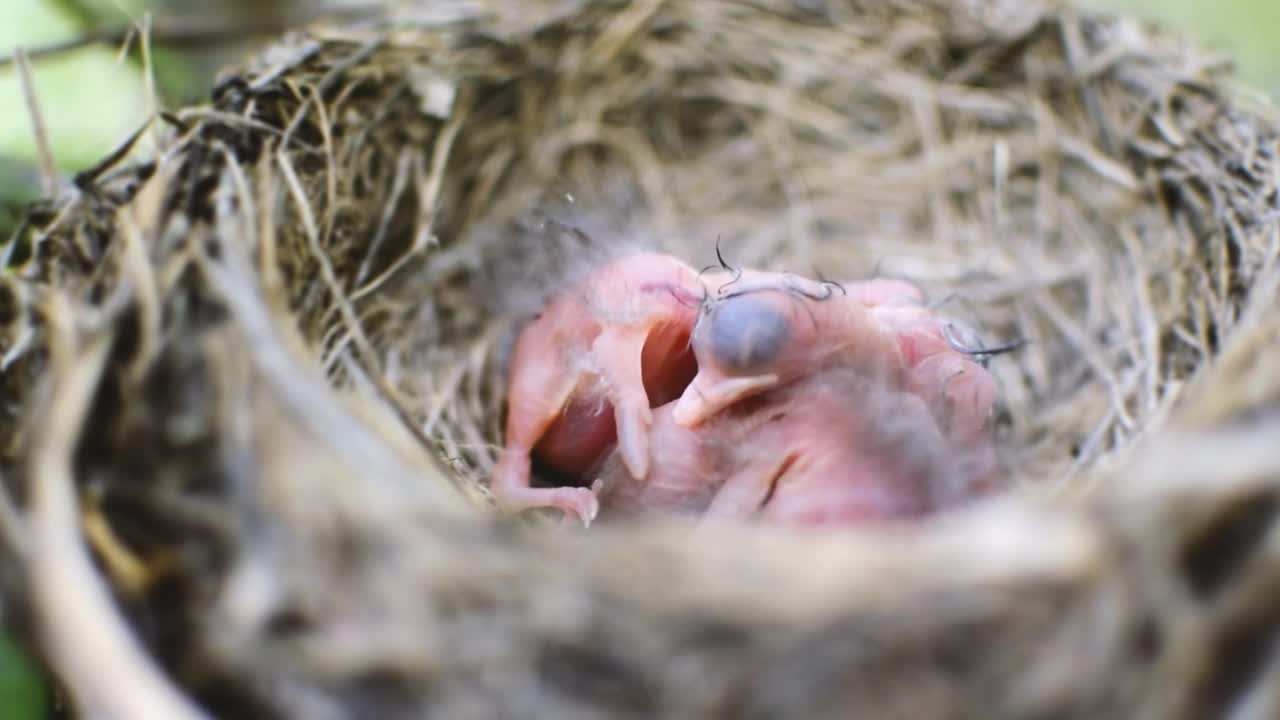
90,72
94,95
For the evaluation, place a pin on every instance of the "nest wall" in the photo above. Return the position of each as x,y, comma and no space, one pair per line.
269,361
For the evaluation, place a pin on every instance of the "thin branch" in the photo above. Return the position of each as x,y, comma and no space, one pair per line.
183,32
44,152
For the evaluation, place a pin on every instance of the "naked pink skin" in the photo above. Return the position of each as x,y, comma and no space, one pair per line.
824,328
881,328
862,412
834,448
586,373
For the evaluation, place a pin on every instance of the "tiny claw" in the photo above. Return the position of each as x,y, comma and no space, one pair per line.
592,511
633,442
698,403
583,507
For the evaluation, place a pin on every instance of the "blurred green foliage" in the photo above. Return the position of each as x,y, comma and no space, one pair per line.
91,99
1246,29
23,694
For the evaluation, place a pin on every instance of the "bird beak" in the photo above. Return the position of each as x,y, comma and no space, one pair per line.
704,398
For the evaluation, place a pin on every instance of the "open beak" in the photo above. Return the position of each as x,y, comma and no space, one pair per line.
704,398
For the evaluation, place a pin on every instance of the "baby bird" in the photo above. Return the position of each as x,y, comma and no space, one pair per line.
767,331
835,447
648,331
586,373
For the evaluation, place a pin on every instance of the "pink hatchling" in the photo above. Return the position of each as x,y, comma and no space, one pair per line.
586,373
835,447
647,331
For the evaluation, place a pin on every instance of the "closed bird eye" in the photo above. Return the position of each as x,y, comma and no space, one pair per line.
747,333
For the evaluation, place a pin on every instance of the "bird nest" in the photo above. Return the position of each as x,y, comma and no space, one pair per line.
253,384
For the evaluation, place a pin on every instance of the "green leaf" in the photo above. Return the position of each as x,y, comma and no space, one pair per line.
90,99
24,693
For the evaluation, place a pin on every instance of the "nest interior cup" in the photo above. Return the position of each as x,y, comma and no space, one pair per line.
1030,195
271,359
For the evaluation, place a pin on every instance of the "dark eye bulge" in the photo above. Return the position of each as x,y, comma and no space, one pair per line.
747,333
